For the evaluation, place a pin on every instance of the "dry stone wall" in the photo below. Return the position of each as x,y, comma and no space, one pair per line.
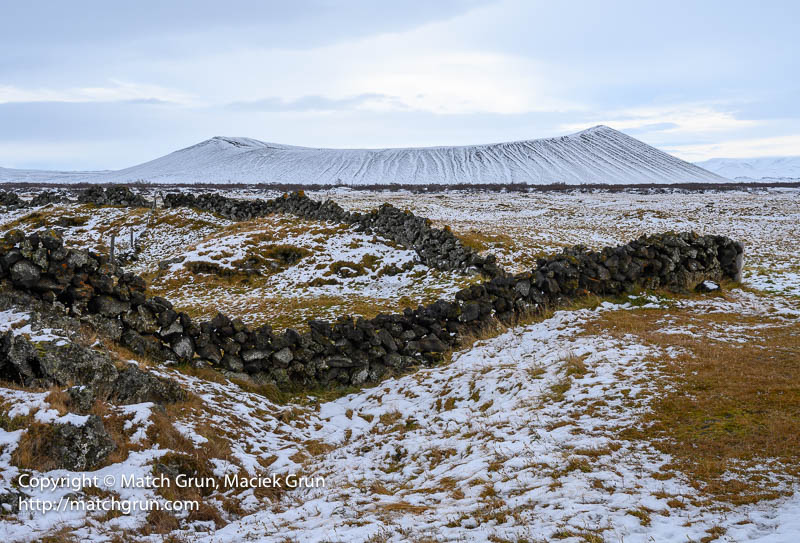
436,247
350,350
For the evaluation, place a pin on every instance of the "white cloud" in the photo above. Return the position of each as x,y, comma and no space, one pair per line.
117,91
671,119
429,68
461,83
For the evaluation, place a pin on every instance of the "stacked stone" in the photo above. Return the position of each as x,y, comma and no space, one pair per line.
671,261
112,196
437,248
10,199
46,197
350,350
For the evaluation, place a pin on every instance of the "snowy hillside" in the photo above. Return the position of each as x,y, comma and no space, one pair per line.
596,155
773,167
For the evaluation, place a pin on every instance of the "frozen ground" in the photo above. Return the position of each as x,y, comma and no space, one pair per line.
508,441
521,437
487,447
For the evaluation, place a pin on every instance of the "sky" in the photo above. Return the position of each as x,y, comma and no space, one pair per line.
106,85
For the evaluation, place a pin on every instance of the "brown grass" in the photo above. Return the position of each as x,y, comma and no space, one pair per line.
61,535
731,406
114,423
35,450
401,507
162,432
191,465
159,522
480,240
59,400
318,448
48,217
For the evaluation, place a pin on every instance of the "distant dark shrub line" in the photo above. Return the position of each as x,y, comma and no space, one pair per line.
430,187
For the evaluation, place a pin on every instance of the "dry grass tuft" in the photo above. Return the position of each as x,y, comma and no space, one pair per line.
731,407
159,522
59,399
401,507
35,449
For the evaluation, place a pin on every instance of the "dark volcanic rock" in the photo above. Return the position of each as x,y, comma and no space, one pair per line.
95,374
9,199
136,386
144,345
350,350
80,447
108,306
25,273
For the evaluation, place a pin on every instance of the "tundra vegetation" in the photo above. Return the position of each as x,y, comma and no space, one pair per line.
672,414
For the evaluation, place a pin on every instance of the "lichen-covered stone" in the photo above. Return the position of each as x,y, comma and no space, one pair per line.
80,447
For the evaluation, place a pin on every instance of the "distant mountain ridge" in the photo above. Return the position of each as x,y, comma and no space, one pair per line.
756,169
596,155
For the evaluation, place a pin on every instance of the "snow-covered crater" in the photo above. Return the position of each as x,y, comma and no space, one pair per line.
596,155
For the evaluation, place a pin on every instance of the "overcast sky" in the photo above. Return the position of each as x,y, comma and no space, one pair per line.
102,85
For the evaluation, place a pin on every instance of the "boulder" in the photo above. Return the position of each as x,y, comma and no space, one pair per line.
183,347
141,319
18,362
209,351
81,397
145,345
80,447
470,311
232,363
48,364
432,344
136,386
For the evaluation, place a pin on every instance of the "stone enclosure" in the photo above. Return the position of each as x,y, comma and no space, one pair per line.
349,350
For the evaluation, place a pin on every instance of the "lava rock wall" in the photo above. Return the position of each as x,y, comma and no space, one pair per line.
438,248
350,350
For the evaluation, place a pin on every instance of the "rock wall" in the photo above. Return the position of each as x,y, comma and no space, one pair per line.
90,373
349,351
437,248
10,199
115,196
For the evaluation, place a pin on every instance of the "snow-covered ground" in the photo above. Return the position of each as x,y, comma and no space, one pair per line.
504,442
595,155
520,226
483,448
18,323
518,438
